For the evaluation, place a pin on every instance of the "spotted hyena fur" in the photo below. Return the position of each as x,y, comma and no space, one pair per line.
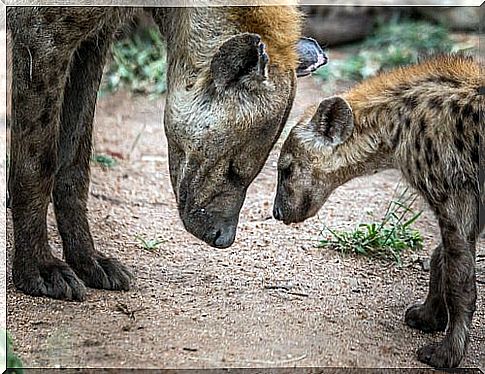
425,120
231,80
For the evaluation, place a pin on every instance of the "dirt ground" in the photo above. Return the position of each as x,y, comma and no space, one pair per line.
194,306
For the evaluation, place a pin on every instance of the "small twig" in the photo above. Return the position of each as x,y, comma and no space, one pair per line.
137,139
280,362
287,288
125,202
123,308
107,198
298,293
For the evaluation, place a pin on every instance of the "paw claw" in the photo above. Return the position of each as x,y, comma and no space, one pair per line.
439,355
104,273
52,278
419,317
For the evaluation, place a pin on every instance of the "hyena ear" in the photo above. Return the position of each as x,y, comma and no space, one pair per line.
241,56
311,56
333,122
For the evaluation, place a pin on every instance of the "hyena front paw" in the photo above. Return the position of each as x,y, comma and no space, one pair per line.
51,277
420,316
441,355
98,271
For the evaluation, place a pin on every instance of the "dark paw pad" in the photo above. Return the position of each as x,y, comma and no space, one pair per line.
104,273
52,279
439,355
420,317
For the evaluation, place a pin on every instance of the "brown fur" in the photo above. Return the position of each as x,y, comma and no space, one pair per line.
424,120
445,66
225,110
279,28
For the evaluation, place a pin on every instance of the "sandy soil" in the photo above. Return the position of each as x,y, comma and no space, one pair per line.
198,307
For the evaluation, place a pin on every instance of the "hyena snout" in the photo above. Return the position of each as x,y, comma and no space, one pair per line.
287,215
213,219
215,229
278,212
290,208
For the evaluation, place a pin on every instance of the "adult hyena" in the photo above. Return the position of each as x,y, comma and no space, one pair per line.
425,121
231,84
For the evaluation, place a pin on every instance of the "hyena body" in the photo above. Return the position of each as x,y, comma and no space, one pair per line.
230,86
424,120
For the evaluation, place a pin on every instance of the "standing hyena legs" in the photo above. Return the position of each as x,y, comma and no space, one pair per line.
50,132
38,78
453,281
431,315
71,184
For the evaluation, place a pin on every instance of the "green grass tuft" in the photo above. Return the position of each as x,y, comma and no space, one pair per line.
388,239
150,244
138,64
104,161
14,364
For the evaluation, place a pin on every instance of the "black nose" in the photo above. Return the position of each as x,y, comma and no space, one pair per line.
224,237
277,213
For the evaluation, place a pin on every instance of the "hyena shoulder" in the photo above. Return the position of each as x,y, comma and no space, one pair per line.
443,72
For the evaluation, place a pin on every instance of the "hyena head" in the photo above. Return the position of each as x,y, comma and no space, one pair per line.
308,168
221,120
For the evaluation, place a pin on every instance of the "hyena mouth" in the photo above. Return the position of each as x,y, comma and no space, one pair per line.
280,216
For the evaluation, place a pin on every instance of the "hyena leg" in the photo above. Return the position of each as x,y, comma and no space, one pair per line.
38,78
72,178
458,286
431,315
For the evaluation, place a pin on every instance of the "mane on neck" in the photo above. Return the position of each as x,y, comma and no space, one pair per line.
462,69
279,28
381,90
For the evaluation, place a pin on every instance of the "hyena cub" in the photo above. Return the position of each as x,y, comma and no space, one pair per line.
425,121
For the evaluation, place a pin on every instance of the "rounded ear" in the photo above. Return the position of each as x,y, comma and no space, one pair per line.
241,56
333,122
311,56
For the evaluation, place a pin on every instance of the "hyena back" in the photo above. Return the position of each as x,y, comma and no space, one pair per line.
424,120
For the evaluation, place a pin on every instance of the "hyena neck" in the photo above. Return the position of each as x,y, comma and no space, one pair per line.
279,28
386,106
366,151
194,34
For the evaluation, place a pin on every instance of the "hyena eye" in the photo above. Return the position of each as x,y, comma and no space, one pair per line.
234,175
286,171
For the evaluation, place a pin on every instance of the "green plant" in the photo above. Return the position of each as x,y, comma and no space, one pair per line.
14,364
104,161
150,244
138,64
392,44
387,239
